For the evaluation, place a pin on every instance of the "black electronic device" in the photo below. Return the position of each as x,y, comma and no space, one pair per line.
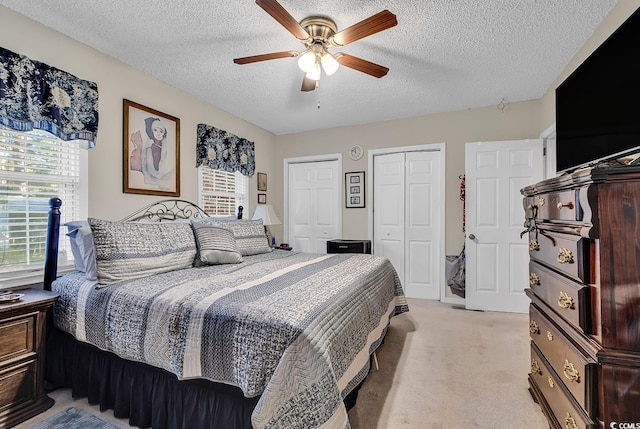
597,106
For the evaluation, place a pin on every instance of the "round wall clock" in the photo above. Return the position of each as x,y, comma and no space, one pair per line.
356,152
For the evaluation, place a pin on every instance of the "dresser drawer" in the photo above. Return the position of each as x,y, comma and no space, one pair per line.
570,299
569,254
565,411
562,205
17,337
577,372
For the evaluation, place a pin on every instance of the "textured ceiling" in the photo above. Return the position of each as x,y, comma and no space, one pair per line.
443,55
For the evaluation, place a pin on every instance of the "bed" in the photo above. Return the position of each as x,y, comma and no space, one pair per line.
193,322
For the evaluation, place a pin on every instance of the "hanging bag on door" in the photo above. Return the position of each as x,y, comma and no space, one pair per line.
455,271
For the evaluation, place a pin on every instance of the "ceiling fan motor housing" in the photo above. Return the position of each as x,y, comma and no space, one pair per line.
320,29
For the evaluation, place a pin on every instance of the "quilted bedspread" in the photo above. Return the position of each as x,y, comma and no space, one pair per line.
295,329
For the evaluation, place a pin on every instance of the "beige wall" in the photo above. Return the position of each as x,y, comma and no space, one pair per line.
517,121
117,81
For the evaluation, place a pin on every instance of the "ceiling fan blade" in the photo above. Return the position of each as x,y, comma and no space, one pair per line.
308,84
280,14
361,65
265,57
372,25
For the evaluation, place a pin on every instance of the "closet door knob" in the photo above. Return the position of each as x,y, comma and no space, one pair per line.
472,237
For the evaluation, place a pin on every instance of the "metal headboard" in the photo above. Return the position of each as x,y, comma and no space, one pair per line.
165,210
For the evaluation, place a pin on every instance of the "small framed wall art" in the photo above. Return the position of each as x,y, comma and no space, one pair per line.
262,198
262,181
151,151
354,189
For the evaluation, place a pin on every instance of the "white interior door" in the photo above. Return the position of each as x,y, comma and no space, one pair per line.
422,202
388,209
406,218
497,258
314,205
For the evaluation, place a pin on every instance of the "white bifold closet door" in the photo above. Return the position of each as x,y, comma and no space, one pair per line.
406,218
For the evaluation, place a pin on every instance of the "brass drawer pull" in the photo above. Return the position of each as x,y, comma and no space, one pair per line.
534,245
549,336
534,279
540,201
535,367
533,327
565,256
569,205
570,422
551,383
565,301
570,372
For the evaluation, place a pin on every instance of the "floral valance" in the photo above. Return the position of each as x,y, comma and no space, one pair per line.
221,150
37,95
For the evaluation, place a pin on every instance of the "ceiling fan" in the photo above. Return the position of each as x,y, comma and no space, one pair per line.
319,33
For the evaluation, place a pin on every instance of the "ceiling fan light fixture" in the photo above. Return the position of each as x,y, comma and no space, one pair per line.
329,63
307,60
314,72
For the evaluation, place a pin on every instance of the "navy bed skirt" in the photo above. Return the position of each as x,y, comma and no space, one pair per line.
147,396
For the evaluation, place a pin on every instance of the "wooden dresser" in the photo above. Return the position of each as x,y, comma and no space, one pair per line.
22,334
584,244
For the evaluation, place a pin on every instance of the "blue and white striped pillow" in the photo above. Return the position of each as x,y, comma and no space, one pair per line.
249,234
215,245
126,250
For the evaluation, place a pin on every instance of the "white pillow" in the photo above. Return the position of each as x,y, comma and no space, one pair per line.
84,253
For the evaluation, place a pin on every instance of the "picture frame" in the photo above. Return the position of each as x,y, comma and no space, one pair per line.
354,190
151,151
262,198
262,181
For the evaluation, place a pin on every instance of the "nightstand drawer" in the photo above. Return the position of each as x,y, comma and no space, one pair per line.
17,337
349,246
18,385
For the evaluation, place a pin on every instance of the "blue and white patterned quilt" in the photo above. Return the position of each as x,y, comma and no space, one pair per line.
295,328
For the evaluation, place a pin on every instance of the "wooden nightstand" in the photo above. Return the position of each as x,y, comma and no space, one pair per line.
22,341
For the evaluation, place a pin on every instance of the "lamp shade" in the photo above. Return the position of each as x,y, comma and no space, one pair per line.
306,61
314,72
329,63
267,214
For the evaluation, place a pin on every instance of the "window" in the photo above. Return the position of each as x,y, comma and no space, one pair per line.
221,192
34,167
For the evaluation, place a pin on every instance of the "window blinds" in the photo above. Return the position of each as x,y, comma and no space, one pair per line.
221,192
34,167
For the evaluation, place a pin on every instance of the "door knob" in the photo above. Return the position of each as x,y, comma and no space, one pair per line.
472,237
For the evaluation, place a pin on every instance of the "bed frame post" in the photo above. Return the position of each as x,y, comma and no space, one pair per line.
53,233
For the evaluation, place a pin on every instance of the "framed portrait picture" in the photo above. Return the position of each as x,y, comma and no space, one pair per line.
262,181
151,147
354,189
262,198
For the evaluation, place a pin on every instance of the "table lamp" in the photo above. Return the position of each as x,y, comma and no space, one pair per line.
268,216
